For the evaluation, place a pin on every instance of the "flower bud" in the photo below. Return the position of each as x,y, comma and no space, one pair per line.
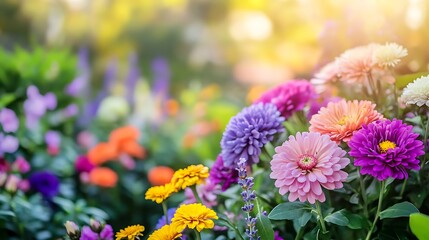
95,225
12,183
72,228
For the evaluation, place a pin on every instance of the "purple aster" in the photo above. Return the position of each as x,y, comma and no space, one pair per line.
106,233
36,105
8,144
386,149
161,221
248,131
289,97
8,120
88,234
46,183
225,176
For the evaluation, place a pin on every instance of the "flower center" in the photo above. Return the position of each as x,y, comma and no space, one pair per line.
386,145
343,120
307,162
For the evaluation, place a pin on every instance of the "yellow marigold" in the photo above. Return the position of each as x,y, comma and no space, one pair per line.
193,216
159,193
167,232
192,175
130,233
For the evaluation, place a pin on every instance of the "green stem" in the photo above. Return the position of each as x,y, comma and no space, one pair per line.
164,208
319,212
197,234
194,190
403,187
377,214
425,139
363,193
299,233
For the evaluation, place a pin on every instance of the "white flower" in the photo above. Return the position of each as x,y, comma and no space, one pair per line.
389,54
113,109
417,92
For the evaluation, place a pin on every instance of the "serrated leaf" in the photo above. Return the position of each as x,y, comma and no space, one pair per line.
419,224
403,209
265,229
288,211
337,218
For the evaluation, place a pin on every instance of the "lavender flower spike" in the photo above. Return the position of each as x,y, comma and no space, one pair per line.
248,196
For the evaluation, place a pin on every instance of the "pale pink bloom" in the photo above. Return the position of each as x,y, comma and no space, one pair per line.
328,73
207,192
306,163
21,165
340,119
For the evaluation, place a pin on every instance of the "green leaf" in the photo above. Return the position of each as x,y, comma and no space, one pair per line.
6,99
289,211
4,214
303,220
403,209
265,229
337,218
402,81
355,221
419,224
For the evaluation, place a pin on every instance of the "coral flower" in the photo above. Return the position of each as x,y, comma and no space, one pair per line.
340,119
193,216
130,233
167,232
289,97
160,175
102,153
190,176
386,149
306,163
103,177
125,138
159,193
355,64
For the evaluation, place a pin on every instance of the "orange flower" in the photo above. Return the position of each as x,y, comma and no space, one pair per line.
172,107
160,175
102,153
132,148
103,177
125,139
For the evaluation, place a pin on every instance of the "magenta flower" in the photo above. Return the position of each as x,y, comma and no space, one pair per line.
8,120
83,164
107,233
306,163
88,234
224,176
386,148
289,97
21,165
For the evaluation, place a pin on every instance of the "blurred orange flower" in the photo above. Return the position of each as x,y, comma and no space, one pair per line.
102,153
103,177
160,175
172,107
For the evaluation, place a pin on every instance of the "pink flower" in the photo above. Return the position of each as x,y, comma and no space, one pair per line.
327,74
207,192
306,163
341,119
21,165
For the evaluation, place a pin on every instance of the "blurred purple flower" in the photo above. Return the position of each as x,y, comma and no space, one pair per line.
248,131
132,78
36,105
8,120
225,176
83,164
53,140
161,221
46,183
161,77
8,144
88,234
277,236
70,111
106,233
78,85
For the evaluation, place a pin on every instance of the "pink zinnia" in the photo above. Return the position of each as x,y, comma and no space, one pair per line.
306,163
340,119
289,97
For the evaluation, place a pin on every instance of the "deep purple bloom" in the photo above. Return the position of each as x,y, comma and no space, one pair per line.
248,131
161,221
88,234
46,183
289,97
386,148
36,105
225,176
106,233
83,164
8,144
8,120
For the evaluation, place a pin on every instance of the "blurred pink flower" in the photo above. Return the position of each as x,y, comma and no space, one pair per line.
86,139
21,165
53,140
306,163
8,120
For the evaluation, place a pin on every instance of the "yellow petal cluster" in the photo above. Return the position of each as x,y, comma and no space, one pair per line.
167,232
192,175
159,193
193,216
130,233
